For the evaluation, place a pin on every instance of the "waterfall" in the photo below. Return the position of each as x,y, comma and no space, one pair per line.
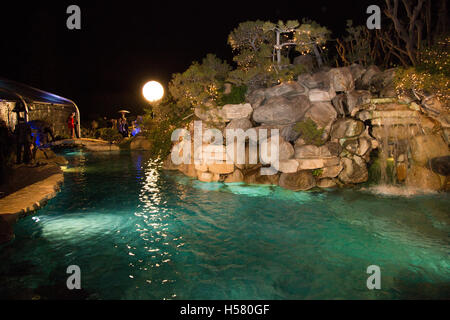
396,127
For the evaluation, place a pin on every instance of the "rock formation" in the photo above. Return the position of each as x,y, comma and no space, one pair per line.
358,118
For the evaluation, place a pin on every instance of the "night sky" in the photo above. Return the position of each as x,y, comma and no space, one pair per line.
123,44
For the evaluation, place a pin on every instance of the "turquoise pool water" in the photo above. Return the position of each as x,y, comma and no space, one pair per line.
140,233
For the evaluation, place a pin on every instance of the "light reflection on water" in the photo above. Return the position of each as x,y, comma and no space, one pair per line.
141,233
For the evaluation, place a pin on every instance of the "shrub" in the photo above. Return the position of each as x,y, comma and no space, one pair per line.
309,132
317,172
160,122
110,134
236,96
431,75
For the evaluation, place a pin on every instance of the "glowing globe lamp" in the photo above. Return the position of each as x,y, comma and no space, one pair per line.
153,91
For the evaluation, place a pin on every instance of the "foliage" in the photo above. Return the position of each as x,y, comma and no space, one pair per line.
411,28
360,46
251,44
431,75
317,172
110,134
309,132
311,37
161,120
236,96
200,83
435,59
255,48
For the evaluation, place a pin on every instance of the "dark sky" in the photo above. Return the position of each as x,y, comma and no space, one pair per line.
123,44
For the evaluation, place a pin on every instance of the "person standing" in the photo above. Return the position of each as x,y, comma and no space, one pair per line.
24,138
71,124
5,143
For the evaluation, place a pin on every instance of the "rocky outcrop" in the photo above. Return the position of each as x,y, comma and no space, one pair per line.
347,128
426,147
298,181
236,112
354,171
423,179
354,111
243,124
342,79
46,155
140,143
281,110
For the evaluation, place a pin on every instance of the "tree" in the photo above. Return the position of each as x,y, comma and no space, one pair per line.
281,29
360,45
311,37
200,83
249,41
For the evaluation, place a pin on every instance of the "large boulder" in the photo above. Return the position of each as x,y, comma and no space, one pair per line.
287,89
355,99
423,179
331,172
347,128
342,79
285,150
382,83
281,110
328,150
236,111
43,155
319,85
322,94
354,171
357,71
140,143
364,82
426,147
256,98
208,177
288,166
317,163
234,177
188,170
298,181
244,161
307,151
323,114
243,124
289,133
211,154
265,131
326,183
358,146
221,168
339,103
440,165
434,105
255,177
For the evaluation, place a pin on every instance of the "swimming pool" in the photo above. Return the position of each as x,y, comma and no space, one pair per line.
137,232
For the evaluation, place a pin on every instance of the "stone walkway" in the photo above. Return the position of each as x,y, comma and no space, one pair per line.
30,197
89,144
